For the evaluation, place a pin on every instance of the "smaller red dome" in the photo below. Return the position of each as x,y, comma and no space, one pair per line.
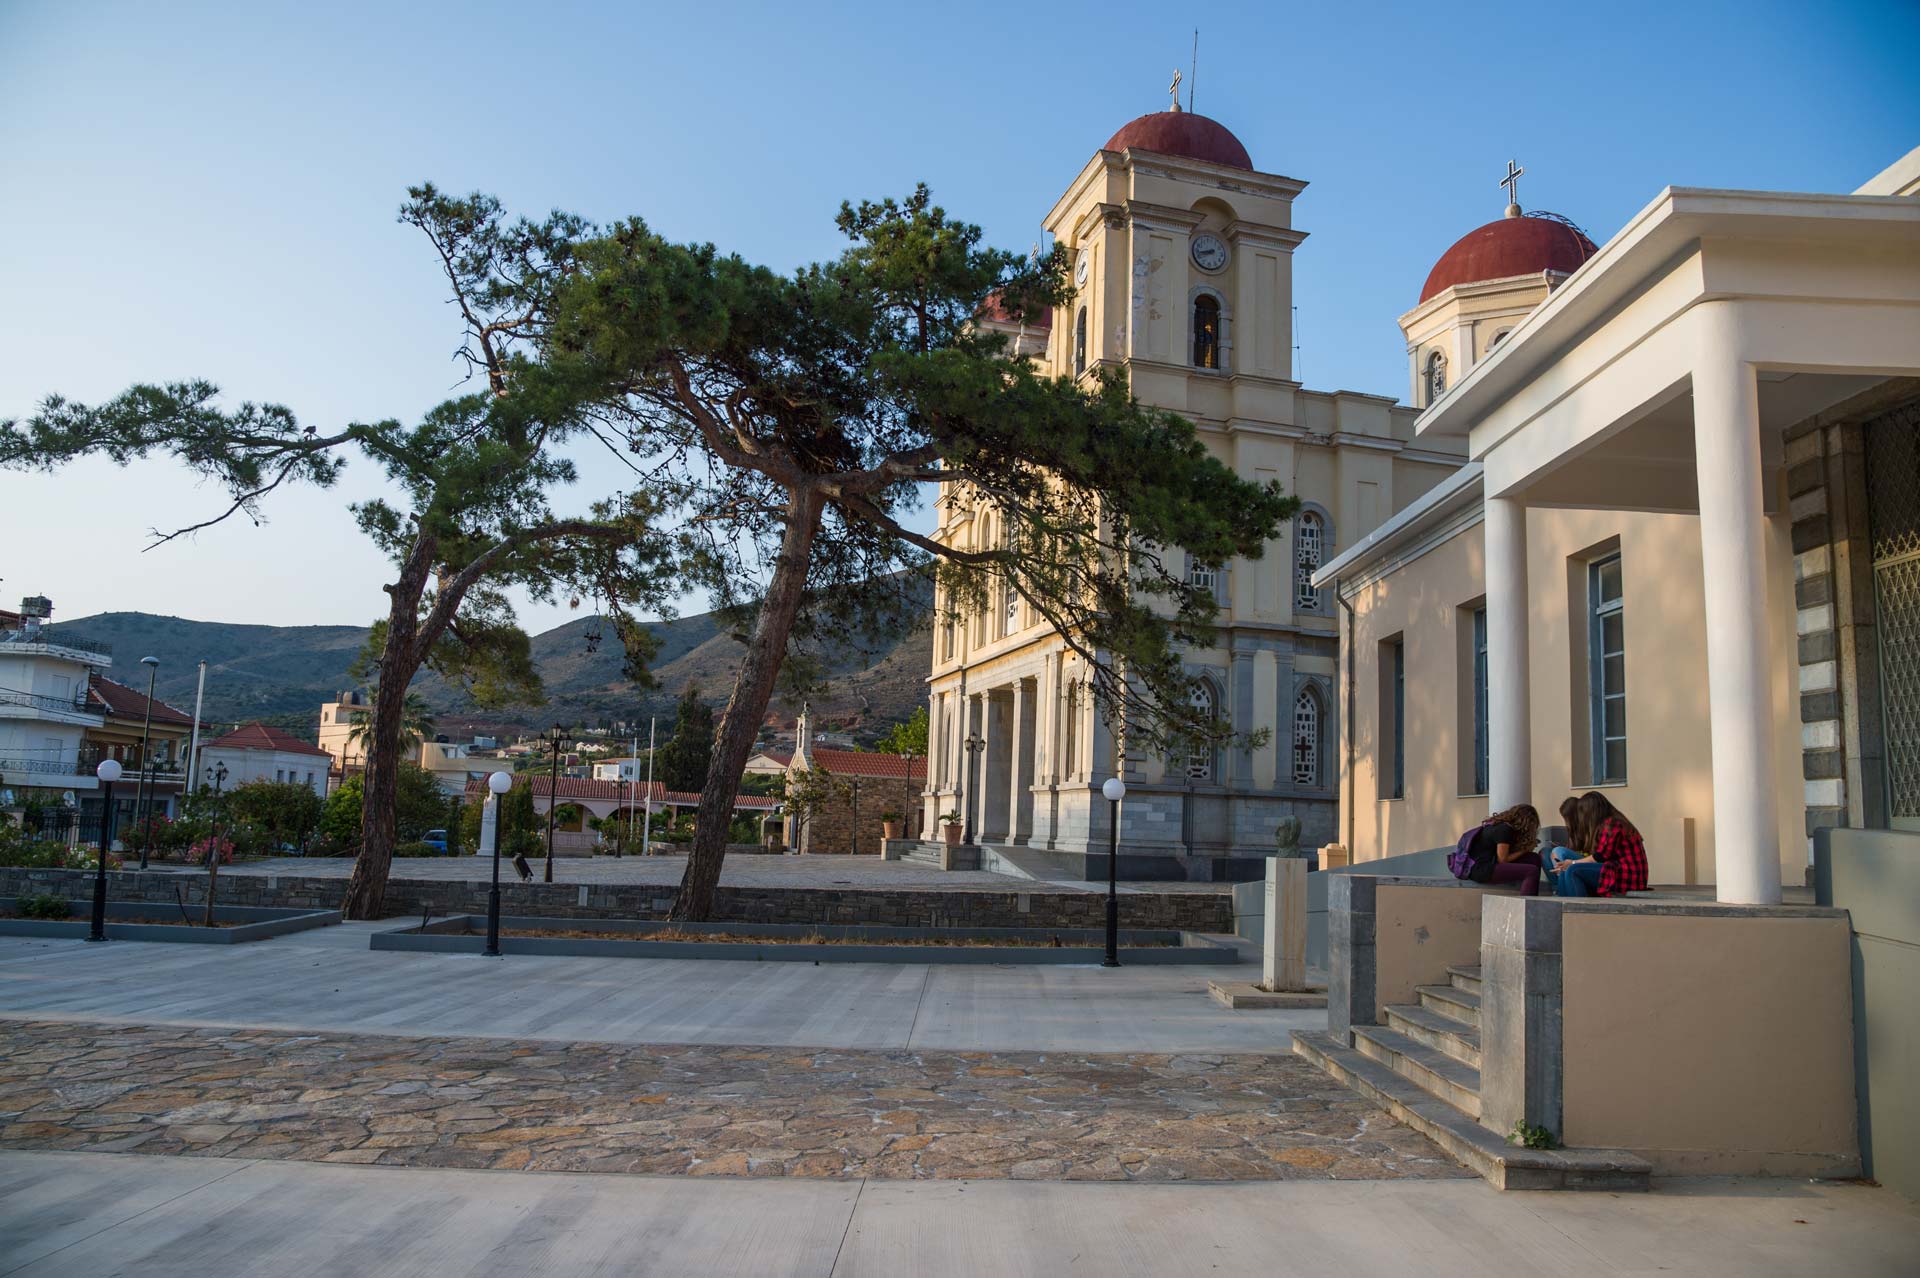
1511,246
994,309
1182,133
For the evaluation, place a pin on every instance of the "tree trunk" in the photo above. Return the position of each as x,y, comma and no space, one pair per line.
399,660
747,709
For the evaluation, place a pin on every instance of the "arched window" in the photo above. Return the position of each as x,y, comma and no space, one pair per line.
1206,331
1498,338
1306,738
1309,551
1436,376
1080,343
1200,761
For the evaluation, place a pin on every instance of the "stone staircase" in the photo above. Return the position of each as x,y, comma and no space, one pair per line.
1423,1066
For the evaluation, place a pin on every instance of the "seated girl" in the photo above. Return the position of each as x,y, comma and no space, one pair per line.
1503,850
1608,857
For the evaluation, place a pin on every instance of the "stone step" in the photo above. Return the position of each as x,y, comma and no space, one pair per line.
1456,1038
1504,1166
1465,977
1458,1004
1433,1072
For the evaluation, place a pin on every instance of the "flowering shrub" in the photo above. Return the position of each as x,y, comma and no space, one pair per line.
88,859
202,848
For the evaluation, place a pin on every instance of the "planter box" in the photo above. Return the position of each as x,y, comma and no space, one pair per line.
467,934
254,923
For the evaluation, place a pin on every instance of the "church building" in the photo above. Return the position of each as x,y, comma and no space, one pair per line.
1182,253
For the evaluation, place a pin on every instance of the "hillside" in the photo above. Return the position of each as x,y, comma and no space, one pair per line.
283,673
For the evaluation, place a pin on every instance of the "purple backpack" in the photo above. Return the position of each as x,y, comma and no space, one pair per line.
1460,860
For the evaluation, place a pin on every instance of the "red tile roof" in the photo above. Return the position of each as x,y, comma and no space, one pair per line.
861,763
122,702
258,736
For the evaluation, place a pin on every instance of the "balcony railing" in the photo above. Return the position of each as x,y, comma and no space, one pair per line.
13,765
51,637
40,701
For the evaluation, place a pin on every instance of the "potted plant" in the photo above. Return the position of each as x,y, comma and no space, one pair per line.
891,824
950,824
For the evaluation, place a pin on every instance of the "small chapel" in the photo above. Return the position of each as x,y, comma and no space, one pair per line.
1182,261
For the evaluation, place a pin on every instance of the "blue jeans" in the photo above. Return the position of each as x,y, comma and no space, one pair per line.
1581,878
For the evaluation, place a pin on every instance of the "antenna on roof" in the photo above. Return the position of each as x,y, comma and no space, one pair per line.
1193,76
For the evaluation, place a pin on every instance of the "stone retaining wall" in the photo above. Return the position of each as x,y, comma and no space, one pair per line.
950,907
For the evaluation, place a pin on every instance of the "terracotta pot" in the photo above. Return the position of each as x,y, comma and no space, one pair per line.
890,829
953,835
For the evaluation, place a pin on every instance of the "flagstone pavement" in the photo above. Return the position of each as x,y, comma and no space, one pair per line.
697,1110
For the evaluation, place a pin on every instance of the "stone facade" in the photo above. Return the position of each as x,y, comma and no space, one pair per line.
1166,247
1188,911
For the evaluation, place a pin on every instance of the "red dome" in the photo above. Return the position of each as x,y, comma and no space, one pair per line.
1511,246
1182,133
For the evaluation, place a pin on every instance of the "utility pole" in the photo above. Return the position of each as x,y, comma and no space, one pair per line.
193,742
646,824
553,798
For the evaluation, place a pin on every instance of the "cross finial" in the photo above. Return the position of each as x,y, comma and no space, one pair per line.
1174,89
1512,182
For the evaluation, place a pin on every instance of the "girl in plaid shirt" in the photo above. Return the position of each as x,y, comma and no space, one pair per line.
1612,857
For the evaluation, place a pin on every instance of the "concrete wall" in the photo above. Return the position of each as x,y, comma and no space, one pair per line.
1712,1044
1428,604
1419,932
1875,876
1428,864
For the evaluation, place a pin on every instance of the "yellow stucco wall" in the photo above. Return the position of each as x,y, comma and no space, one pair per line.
1669,792
1674,1045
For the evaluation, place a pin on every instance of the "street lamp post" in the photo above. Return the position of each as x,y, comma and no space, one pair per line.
108,772
1115,790
553,799
218,775
499,783
974,745
146,765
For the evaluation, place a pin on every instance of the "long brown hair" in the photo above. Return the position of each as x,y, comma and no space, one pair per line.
1591,811
1526,826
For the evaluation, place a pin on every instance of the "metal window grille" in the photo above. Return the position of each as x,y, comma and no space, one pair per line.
1202,576
1309,547
1607,670
1306,739
1893,522
1200,762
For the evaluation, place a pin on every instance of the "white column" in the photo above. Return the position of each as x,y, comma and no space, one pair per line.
1726,443
1509,728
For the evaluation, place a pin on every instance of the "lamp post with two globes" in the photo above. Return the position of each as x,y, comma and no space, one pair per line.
108,772
499,783
1114,789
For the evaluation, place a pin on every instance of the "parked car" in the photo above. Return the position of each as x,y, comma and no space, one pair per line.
435,839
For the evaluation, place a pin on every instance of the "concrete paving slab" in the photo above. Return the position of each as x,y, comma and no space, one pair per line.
320,981
166,1216
303,1218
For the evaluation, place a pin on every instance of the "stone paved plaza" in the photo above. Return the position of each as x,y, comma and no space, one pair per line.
731,1111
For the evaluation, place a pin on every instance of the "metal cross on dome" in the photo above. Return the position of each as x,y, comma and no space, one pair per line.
1512,182
1174,89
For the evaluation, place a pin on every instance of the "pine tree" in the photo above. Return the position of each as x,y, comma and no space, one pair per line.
681,764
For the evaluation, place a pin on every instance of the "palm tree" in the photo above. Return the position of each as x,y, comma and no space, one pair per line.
416,724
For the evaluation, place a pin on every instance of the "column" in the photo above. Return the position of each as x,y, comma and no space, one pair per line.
996,772
1020,800
1726,445
1509,729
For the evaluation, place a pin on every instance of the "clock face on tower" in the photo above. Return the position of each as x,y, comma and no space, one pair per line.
1080,268
1209,252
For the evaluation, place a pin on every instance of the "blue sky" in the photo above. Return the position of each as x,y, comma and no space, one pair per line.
208,190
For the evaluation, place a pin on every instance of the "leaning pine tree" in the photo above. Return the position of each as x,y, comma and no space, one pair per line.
798,418
474,480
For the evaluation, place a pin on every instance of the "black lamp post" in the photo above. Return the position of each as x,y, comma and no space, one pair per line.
146,765
108,772
1115,790
974,745
553,799
499,783
218,775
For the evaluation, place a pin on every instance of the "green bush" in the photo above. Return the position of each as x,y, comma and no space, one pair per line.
416,849
45,906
